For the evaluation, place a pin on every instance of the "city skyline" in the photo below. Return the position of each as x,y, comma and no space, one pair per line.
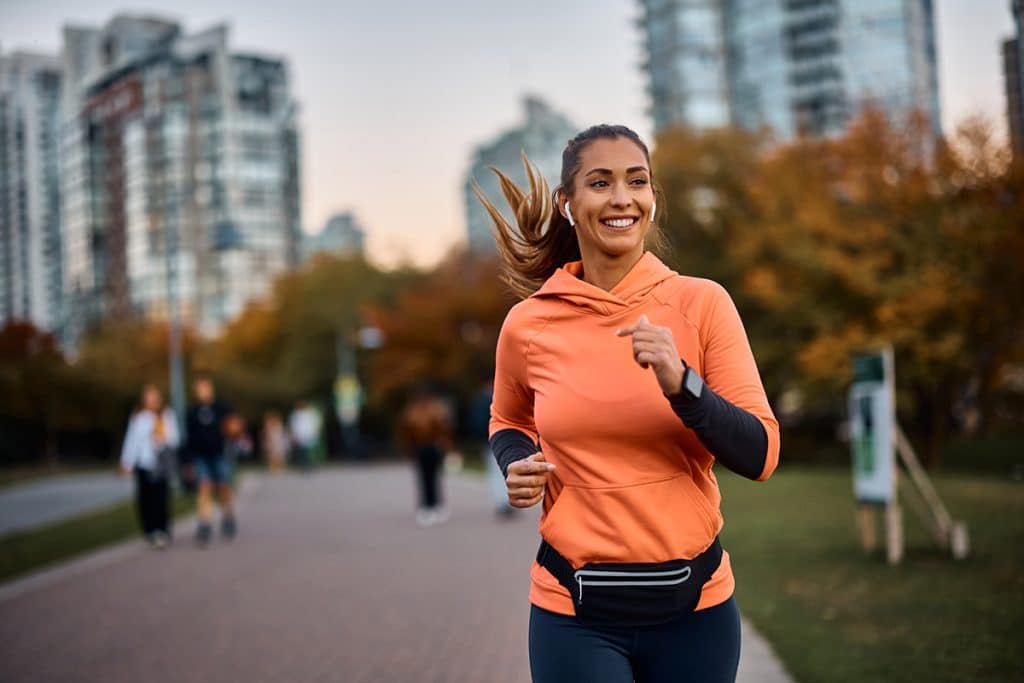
802,68
396,156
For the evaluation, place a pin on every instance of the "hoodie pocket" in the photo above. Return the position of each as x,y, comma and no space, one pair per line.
654,521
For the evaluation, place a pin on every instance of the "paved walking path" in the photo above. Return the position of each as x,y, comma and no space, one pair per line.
330,579
25,506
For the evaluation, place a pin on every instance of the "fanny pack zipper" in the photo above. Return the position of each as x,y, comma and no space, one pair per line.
680,575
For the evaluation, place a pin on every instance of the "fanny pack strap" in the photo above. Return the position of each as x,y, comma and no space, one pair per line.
704,565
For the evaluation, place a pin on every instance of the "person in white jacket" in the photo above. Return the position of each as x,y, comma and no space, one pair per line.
148,452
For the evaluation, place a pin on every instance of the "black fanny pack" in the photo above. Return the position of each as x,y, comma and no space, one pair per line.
640,594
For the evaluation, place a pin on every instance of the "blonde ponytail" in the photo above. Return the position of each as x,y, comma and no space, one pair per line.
544,240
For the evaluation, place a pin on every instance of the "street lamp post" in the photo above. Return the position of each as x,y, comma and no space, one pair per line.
348,392
177,370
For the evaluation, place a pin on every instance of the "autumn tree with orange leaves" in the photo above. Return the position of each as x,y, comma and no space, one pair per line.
836,245
441,330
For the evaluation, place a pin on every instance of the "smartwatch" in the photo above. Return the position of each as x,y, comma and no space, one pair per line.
693,385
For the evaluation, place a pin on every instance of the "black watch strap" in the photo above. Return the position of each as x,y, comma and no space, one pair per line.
691,388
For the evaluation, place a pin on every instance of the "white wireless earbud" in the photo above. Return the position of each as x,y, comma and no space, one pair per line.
654,207
568,215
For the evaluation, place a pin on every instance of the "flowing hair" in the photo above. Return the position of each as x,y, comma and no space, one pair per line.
544,240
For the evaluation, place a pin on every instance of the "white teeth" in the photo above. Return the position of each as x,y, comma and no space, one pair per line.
620,222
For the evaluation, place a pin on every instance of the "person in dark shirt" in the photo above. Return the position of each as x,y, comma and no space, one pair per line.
204,425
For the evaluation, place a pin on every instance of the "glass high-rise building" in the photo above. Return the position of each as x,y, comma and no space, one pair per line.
800,67
1013,75
180,158
30,268
686,62
342,235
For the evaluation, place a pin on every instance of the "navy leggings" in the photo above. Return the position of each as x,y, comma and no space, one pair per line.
700,646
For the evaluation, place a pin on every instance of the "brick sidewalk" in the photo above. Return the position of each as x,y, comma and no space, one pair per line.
329,580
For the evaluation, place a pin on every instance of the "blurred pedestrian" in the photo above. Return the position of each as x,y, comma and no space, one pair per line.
619,384
214,472
304,424
274,441
426,433
148,452
237,444
479,420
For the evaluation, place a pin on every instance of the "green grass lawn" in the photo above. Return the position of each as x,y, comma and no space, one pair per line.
14,475
834,614
25,551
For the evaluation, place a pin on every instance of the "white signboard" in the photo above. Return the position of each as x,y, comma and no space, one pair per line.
872,421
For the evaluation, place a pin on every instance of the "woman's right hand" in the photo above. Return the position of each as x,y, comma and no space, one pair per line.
526,480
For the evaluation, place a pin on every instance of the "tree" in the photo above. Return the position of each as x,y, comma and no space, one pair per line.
441,329
115,360
32,371
880,236
285,348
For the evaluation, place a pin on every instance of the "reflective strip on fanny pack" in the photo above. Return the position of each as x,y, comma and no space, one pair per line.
635,583
685,571
601,572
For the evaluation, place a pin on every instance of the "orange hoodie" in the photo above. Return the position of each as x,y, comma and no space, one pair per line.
632,483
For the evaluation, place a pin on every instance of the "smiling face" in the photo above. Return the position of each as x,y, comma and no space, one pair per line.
611,200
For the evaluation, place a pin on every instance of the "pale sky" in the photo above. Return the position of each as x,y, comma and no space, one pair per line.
395,94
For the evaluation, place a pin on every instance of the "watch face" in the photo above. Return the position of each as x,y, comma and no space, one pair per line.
693,383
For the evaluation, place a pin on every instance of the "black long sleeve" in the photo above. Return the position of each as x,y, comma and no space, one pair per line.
736,438
510,445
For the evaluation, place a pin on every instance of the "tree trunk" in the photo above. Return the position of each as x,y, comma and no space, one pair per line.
939,408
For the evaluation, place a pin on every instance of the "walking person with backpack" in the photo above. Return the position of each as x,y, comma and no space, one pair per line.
619,385
148,453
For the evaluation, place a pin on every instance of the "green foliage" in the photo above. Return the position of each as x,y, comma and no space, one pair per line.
442,330
30,365
285,348
116,359
42,394
88,401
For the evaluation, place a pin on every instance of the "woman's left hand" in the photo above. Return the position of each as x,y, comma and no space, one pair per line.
655,348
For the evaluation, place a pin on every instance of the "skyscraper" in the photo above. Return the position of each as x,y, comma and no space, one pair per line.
1013,74
542,135
30,273
179,165
686,62
801,67
341,235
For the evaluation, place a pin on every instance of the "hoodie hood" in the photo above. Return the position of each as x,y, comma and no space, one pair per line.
631,291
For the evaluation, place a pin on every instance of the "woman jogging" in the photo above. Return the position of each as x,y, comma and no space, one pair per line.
619,384
148,451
